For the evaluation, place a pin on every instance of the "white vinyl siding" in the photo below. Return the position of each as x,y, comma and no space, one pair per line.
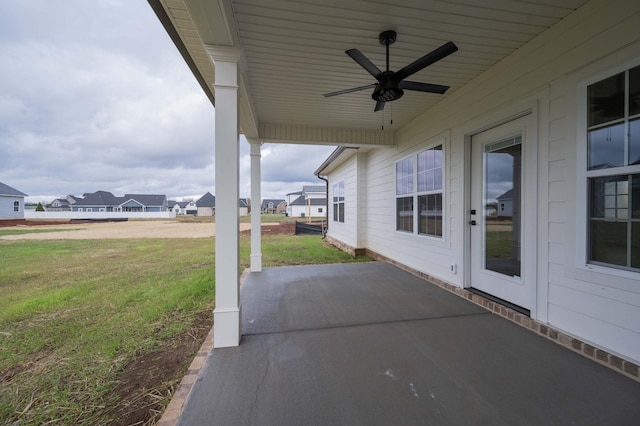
349,231
11,207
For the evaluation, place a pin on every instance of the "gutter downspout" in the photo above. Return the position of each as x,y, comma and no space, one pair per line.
326,210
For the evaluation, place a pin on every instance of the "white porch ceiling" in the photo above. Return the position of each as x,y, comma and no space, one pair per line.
294,52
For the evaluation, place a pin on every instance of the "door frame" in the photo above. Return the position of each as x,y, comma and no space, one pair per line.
530,148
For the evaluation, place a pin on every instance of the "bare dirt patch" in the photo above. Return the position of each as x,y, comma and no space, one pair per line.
6,223
274,229
148,382
129,229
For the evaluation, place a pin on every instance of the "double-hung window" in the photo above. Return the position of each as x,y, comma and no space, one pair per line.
16,206
404,194
338,202
423,189
613,171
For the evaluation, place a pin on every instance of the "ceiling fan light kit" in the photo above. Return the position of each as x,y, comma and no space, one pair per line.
390,85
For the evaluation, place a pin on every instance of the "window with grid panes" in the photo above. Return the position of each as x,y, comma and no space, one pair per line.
613,170
338,202
422,189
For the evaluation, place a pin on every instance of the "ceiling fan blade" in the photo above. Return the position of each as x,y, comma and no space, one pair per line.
364,62
441,52
354,89
423,87
379,106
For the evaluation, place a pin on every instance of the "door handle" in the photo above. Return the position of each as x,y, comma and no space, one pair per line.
472,222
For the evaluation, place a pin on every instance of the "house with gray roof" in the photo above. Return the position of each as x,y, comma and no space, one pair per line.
206,205
243,207
505,204
311,201
184,207
305,207
62,204
273,206
11,202
104,201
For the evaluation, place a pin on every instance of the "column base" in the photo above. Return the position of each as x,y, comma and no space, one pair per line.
256,262
226,327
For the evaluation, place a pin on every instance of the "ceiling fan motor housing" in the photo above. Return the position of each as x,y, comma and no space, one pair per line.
387,89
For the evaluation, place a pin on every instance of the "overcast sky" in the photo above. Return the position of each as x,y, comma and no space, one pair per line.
95,96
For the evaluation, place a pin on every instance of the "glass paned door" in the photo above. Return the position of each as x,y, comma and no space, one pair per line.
501,215
501,200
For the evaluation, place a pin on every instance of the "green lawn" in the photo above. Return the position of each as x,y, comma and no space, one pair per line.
74,313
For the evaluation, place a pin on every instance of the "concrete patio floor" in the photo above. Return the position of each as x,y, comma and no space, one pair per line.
370,344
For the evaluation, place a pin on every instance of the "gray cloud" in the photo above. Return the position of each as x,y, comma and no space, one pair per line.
94,96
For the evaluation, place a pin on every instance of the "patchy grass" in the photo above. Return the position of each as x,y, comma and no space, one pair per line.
72,313
75,315
283,250
194,219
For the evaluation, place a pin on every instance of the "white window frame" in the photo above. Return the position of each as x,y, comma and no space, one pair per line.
413,191
583,176
16,206
338,200
405,189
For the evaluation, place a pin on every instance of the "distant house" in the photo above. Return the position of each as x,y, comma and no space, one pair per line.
184,207
273,206
206,205
59,205
311,201
104,201
145,203
291,197
62,204
314,191
305,207
11,202
505,204
243,207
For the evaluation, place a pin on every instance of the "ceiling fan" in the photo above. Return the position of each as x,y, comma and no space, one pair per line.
391,85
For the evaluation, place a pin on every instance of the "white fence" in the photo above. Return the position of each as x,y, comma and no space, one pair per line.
32,214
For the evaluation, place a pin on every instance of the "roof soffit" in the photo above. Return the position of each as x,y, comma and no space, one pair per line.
295,53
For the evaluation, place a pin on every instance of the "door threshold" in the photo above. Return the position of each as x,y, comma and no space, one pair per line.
502,302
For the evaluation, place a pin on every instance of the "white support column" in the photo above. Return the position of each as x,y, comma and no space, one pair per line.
226,315
256,204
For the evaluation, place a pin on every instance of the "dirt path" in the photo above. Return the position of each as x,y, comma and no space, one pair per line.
131,229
